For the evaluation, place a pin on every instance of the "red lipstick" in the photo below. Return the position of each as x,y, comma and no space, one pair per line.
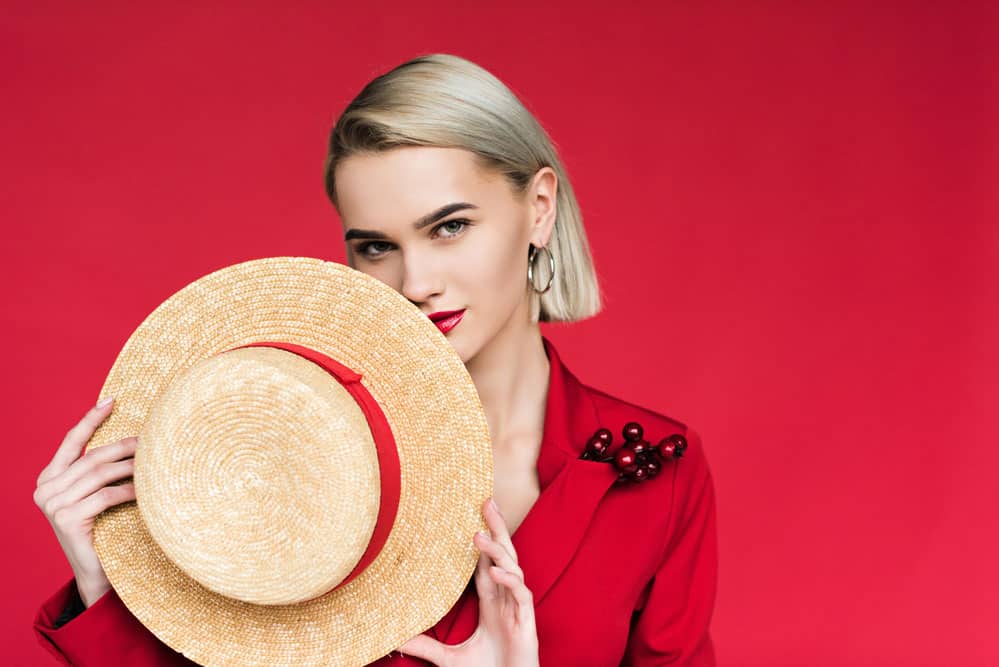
446,319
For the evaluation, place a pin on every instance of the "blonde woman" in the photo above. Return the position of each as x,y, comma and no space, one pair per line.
603,548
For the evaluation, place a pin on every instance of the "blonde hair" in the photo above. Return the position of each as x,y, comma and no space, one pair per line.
446,101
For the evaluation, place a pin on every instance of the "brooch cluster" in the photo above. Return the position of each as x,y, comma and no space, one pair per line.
636,460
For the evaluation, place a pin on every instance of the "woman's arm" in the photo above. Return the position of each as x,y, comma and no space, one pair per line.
671,625
105,633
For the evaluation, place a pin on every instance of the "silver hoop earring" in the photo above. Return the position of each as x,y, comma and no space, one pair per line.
530,269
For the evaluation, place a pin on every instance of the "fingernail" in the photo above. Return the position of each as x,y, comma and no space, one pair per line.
495,506
104,402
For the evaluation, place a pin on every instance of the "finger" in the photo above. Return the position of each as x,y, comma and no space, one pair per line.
497,527
485,588
95,503
85,465
429,649
76,438
95,480
497,553
517,588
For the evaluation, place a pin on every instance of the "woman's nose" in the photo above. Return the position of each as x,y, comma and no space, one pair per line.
420,281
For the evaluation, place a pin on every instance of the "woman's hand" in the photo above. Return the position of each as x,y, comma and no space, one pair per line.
506,636
73,489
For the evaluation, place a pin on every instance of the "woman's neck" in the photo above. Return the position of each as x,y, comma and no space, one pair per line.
511,375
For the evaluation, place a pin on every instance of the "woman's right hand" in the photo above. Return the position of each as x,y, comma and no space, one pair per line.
72,490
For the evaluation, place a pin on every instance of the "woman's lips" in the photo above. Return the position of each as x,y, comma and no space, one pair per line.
447,319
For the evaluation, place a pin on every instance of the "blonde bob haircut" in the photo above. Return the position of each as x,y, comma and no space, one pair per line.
446,101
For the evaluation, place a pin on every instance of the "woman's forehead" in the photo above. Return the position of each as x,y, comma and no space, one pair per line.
402,185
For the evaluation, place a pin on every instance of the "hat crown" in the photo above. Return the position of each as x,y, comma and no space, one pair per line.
247,483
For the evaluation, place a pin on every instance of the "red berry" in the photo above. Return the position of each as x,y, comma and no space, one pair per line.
632,432
604,435
625,460
596,446
640,446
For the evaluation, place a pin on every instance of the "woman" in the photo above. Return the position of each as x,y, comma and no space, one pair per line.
451,192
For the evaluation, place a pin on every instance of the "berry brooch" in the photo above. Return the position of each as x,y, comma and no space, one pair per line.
636,460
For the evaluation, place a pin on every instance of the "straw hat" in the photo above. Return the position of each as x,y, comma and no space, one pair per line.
312,462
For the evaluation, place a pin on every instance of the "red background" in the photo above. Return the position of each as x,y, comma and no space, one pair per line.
793,213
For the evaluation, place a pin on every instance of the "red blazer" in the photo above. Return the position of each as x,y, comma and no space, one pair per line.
622,574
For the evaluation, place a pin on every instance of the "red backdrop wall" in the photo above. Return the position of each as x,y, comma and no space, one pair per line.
793,213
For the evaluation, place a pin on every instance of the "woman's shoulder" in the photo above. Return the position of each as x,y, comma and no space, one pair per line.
615,408
614,412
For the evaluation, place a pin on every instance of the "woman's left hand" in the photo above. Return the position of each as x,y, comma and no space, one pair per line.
506,636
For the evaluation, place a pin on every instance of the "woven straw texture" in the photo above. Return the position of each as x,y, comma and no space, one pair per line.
430,404
249,462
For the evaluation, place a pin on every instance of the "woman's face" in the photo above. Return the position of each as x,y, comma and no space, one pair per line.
447,234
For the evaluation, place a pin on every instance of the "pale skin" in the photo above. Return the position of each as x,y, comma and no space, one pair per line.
473,259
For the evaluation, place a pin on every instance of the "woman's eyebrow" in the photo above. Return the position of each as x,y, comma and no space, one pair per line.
428,219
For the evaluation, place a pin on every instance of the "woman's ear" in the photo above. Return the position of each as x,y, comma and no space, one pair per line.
541,198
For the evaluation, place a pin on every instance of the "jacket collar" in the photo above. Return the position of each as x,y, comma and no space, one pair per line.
570,418
571,489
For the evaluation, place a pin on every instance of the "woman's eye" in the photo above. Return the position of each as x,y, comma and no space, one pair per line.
447,229
373,249
451,227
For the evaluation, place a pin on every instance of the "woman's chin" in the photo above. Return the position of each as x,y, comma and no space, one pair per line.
461,348
461,351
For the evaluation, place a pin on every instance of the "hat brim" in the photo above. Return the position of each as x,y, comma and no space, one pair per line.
440,430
